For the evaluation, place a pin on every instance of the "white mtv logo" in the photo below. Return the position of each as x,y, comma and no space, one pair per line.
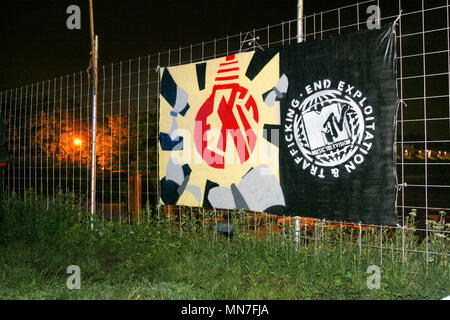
327,127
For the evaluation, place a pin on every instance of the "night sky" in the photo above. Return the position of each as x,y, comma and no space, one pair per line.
38,46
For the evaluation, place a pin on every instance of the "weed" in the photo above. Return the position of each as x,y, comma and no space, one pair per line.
185,258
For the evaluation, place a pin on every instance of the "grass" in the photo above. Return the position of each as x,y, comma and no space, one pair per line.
161,259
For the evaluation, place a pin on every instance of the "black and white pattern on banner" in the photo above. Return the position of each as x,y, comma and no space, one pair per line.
331,131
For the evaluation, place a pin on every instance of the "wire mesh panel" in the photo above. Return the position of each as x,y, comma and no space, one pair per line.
49,123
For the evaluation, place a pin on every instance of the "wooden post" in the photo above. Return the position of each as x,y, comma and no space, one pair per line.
93,66
138,195
168,210
135,193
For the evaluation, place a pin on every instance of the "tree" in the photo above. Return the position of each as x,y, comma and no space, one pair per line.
61,138
127,141
122,142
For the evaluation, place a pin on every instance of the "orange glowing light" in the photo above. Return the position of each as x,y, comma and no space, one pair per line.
77,142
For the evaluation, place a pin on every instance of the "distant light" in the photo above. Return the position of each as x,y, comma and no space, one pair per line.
77,142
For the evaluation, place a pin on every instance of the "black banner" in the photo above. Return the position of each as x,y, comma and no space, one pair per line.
337,128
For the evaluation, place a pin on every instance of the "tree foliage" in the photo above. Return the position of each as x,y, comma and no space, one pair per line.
122,141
